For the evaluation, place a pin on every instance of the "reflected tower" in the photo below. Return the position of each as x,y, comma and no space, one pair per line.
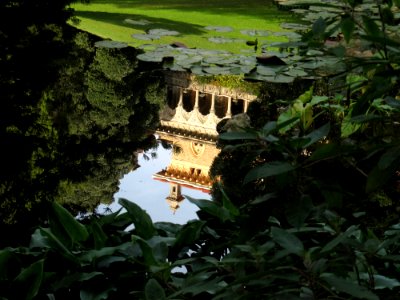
189,123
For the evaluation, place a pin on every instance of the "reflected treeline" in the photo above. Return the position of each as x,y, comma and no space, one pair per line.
71,122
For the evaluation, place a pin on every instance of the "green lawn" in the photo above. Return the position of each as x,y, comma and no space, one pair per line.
234,22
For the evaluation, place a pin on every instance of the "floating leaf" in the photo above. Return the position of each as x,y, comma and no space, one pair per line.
223,40
145,37
217,70
219,28
254,32
110,44
141,22
295,72
150,57
288,44
162,32
280,79
266,71
294,26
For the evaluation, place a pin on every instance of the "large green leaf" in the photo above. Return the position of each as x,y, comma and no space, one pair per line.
371,27
381,282
347,25
389,158
379,177
238,135
5,259
96,293
268,169
90,256
153,290
44,238
317,135
75,230
30,279
188,234
143,223
228,205
329,151
98,235
288,241
212,208
341,238
147,251
348,127
349,287
298,211
319,27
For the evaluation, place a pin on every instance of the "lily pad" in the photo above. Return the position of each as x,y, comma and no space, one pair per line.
248,60
219,60
280,79
265,71
313,52
162,32
189,61
197,70
295,72
150,57
110,44
288,44
294,26
247,69
145,37
217,70
140,22
254,32
223,40
289,34
219,28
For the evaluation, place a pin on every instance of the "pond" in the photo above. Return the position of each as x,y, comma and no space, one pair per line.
188,124
76,130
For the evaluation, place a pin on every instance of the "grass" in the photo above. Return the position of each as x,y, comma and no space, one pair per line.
113,20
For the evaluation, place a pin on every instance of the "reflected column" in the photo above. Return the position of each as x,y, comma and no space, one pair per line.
246,106
212,109
229,110
196,102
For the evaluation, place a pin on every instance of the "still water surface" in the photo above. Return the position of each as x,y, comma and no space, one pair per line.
139,186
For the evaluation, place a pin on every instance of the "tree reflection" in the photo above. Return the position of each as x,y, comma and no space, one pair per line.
72,136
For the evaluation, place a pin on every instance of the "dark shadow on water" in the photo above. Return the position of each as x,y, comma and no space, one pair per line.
118,19
253,8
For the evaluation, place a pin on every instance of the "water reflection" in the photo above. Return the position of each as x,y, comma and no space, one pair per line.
150,194
188,123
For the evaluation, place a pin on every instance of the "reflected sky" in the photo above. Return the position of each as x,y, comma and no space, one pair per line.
139,186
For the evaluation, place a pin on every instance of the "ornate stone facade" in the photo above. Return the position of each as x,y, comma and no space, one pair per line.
189,122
